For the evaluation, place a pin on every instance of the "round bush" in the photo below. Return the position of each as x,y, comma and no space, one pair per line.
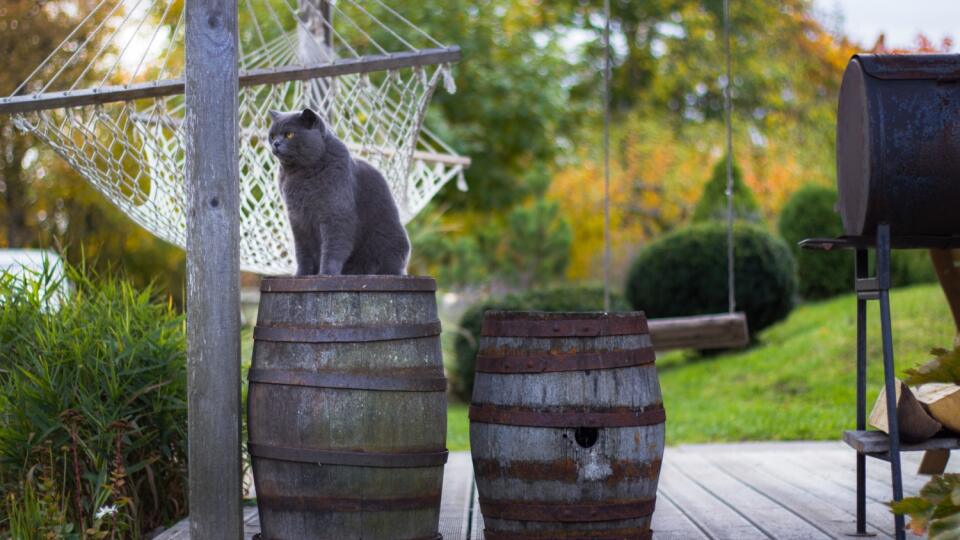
810,213
685,273
570,298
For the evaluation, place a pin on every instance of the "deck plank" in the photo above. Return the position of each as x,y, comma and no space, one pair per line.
709,513
764,513
671,523
804,500
780,466
457,490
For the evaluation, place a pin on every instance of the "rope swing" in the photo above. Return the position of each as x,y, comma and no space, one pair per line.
701,332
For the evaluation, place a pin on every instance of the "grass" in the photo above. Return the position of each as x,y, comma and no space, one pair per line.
797,383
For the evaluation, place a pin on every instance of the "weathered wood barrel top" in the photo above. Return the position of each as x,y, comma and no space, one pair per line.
566,425
347,408
898,144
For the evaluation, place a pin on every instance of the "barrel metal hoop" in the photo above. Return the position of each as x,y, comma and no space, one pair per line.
348,284
291,377
585,327
564,512
635,533
307,503
581,361
351,459
260,536
565,418
346,334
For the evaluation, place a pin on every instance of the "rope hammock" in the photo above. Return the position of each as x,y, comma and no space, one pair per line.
109,100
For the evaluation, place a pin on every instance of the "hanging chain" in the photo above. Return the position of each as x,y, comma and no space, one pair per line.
728,108
606,156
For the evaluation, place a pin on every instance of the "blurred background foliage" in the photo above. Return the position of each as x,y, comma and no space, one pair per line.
528,112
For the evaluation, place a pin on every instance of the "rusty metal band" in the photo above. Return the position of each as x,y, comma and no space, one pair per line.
438,536
546,363
391,460
346,334
566,512
290,377
635,533
522,416
348,284
307,503
586,327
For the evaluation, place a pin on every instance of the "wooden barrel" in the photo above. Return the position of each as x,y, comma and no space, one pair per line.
566,426
347,408
898,144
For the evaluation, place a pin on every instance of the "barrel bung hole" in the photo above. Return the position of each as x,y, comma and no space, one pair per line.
586,437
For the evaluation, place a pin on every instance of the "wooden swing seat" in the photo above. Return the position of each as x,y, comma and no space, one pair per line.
700,332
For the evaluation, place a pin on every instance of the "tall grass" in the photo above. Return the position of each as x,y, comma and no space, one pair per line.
92,407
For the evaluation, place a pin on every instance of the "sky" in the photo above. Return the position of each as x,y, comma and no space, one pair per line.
900,20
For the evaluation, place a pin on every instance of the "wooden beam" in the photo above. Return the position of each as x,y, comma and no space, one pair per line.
213,269
701,332
172,87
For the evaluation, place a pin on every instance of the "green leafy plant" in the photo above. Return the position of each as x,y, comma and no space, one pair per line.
944,368
570,298
93,401
685,273
936,510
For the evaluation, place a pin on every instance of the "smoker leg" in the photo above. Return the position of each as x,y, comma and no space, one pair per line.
861,271
883,275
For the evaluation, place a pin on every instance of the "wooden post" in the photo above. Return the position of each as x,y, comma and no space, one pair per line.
213,269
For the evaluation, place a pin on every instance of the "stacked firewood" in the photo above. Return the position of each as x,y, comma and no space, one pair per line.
922,411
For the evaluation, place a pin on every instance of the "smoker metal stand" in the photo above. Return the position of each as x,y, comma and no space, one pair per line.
874,443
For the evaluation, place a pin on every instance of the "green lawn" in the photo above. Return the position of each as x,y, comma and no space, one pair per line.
797,383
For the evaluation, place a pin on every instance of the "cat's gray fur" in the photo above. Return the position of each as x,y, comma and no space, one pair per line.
343,216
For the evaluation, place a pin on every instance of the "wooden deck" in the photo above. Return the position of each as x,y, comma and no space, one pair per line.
783,491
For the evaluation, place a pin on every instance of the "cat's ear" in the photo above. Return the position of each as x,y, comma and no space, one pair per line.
274,115
310,119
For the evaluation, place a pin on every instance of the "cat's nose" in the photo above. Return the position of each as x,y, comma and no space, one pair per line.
276,144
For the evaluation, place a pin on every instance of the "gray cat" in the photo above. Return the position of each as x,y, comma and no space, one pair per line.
343,216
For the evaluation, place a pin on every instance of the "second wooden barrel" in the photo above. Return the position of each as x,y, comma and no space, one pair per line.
347,408
566,426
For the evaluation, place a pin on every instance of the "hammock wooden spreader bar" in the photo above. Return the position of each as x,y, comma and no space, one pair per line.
170,87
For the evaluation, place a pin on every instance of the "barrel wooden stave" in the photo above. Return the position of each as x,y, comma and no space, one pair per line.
329,500
533,465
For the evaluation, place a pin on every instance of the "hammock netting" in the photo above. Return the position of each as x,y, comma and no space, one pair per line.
107,100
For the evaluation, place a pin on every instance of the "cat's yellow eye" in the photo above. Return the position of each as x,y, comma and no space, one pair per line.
288,135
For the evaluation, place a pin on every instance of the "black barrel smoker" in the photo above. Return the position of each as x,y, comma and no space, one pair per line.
898,178
898,144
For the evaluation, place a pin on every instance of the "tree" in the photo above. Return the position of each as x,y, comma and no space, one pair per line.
713,203
43,201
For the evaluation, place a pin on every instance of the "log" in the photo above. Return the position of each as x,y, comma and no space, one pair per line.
701,332
942,402
915,424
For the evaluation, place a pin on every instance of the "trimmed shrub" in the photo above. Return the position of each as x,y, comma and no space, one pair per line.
910,267
685,273
712,205
570,298
810,213
93,408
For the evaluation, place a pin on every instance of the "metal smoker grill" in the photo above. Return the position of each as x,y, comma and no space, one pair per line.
898,178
